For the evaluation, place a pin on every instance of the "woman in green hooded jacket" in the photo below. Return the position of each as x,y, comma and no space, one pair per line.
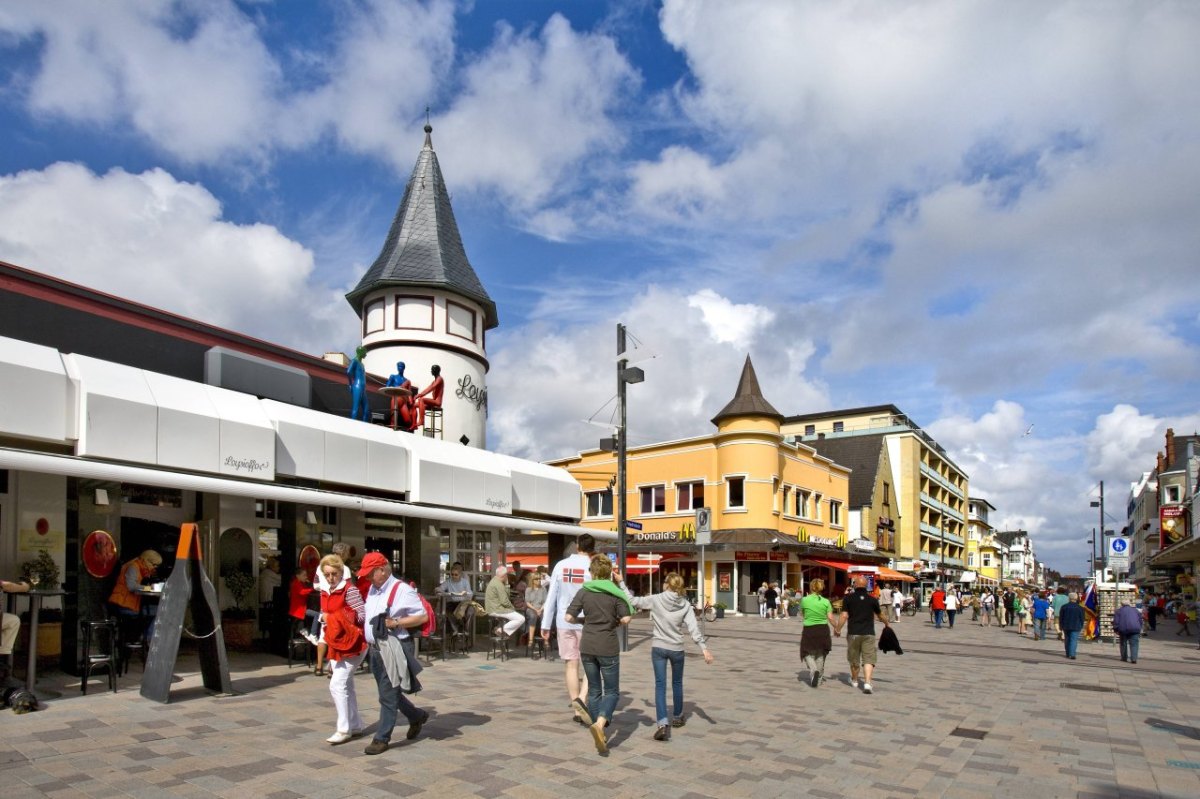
604,608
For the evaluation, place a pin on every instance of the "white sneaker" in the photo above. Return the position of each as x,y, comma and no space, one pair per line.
312,639
338,738
866,688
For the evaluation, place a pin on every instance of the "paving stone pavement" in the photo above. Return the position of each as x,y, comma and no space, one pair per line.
964,713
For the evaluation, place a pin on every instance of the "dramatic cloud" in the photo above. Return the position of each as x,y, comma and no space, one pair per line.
533,106
547,378
194,78
199,81
156,240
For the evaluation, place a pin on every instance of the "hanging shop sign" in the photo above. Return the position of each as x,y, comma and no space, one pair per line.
863,545
803,536
761,556
686,534
1172,525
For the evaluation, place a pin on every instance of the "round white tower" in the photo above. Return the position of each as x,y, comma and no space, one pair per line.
421,304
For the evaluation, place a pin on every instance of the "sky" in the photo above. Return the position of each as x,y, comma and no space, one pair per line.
984,213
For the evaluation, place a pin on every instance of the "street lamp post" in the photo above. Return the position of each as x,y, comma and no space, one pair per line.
625,376
1096,540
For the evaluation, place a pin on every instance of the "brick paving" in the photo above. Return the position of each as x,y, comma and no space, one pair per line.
964,713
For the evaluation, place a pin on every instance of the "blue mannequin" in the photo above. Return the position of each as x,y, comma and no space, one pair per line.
357,374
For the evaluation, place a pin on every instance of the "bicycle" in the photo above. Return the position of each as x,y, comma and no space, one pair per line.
708,612
910,607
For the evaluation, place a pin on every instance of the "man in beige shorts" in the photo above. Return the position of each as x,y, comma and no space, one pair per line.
568,577
859,612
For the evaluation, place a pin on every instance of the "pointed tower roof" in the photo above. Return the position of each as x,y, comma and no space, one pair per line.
749,399
423,246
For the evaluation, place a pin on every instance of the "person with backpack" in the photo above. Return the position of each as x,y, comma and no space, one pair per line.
393,609
343,614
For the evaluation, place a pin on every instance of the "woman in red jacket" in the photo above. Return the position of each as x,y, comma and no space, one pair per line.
343,612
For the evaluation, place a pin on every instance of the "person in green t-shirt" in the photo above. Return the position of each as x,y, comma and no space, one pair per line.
815,641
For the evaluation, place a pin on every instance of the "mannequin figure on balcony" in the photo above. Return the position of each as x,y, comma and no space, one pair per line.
356,375
431,397
403,407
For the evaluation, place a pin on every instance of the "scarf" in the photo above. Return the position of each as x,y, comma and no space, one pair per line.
609,587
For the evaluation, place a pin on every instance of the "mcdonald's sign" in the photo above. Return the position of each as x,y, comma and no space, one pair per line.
686,534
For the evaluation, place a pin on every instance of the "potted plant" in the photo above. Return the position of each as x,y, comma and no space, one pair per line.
720,608
237,623
41,572
793,607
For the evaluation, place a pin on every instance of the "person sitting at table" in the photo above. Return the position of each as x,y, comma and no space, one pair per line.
9,624
403,410
457,589
430,396
535,601
126,596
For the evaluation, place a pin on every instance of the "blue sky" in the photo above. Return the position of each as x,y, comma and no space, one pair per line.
982,213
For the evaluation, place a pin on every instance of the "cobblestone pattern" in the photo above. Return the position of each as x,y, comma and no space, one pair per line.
964,713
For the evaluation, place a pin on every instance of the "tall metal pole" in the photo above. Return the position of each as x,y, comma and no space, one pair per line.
1100,549
942,549
1093,569
621,509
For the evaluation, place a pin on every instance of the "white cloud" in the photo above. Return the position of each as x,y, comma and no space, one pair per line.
1125,441
162,242
1044,482
546,378
198,95
728,322
533,107
199,81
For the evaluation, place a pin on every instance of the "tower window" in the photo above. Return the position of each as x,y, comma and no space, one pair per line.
373,317
414,312
460,321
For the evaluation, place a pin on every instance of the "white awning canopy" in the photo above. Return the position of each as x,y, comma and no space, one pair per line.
100,470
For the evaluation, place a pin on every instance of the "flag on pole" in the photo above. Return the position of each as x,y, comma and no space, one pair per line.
1091,604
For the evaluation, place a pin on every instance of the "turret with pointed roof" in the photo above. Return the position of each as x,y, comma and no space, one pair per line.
423,246
424,313
748,401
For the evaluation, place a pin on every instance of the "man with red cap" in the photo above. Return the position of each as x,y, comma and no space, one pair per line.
392,609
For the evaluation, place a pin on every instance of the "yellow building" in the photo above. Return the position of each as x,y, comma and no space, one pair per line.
983,550
930,491
778,509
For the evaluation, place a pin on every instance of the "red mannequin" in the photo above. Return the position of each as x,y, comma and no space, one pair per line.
431,397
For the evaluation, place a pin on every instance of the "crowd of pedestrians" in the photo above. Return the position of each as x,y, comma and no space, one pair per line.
369,616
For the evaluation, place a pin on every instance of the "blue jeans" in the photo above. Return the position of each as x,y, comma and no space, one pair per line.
659,657
604,680
1072,641
937,618
1039,628
391,700
1129,646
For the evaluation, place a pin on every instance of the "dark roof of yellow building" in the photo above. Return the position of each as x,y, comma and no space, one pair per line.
748,401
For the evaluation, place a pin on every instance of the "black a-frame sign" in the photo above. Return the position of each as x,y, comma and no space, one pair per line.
187,587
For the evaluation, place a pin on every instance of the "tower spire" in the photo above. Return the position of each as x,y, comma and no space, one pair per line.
748,401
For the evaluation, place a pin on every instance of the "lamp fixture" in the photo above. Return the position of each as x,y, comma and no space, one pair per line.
310,517
101,496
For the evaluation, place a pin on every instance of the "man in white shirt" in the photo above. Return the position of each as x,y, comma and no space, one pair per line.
568,576
403,612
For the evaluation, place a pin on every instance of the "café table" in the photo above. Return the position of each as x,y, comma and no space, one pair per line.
36,596
395,393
